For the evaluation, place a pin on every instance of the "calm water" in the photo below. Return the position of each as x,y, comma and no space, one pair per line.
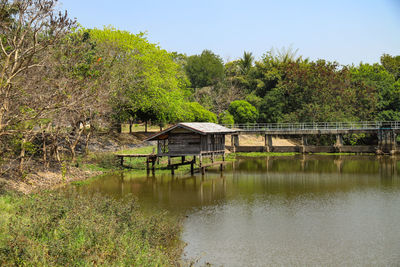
304,210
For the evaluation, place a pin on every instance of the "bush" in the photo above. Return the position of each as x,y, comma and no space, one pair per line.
226,118
196,112
243,111
55,229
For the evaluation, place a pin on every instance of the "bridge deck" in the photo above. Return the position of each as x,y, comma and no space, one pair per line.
317,127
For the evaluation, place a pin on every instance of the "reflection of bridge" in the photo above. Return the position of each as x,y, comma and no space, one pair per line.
385,133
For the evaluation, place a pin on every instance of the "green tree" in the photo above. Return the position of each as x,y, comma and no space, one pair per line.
391,64
197,113
246,63
384,84
206,69
146,82
243,112
226,118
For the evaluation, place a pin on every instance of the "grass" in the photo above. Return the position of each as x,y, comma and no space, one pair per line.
59,229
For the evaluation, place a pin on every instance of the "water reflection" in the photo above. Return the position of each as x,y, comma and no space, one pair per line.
303,210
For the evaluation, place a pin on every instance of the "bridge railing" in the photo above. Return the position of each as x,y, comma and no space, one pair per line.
360,125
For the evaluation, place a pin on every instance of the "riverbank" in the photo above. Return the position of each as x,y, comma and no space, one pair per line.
69,229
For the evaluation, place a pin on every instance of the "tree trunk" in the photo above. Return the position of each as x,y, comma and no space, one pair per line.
145,127
130,126
22,156
72,145
87,143
44,148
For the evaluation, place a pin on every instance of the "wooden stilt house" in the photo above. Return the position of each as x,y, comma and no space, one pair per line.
191,139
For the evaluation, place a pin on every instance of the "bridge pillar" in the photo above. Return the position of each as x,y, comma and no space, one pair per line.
303,144
268,143
339,143
393,144
234,142
387,142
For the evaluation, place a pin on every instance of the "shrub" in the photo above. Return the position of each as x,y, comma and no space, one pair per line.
243,111
226,118
56,229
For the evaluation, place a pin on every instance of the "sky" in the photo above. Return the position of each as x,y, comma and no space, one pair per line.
346,31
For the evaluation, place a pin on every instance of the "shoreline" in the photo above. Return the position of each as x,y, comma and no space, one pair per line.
89,169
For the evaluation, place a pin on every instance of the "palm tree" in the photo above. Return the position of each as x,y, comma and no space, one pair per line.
246,63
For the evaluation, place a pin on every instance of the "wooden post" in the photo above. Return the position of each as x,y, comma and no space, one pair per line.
147,165
192,168
122,161
153,163
200,160
203,170
212,157
183,159
221,167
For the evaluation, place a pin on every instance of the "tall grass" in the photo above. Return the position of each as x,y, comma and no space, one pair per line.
58,229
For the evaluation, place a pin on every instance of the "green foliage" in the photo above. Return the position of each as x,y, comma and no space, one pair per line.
243,112
57,229
246,63
147,83
196,112
316,91
206,69
226,118
391,64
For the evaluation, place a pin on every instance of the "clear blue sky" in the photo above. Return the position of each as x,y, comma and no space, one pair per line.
347,31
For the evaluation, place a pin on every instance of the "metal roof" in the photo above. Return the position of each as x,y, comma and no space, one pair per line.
198,127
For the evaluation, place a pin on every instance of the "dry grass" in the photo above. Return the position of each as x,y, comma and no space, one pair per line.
258,140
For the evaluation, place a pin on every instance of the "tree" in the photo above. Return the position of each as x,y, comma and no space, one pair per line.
27,28
206,69
384,84
226,118
317,91
146,82
391,64
243,112
246,63
197,113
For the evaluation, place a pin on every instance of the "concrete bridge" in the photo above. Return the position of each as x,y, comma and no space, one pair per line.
385,133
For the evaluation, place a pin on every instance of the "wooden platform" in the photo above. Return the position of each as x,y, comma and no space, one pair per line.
150,158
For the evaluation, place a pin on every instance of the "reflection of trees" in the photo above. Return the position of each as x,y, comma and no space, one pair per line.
250,179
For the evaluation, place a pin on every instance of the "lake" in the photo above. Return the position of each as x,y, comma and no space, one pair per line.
297,210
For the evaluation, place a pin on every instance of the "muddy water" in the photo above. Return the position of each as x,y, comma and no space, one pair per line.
303,210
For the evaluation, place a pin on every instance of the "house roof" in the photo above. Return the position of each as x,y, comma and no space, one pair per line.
197,127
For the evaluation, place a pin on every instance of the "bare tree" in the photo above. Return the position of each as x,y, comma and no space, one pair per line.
27,28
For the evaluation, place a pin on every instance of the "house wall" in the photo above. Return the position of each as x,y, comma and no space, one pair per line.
213,142
184,143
